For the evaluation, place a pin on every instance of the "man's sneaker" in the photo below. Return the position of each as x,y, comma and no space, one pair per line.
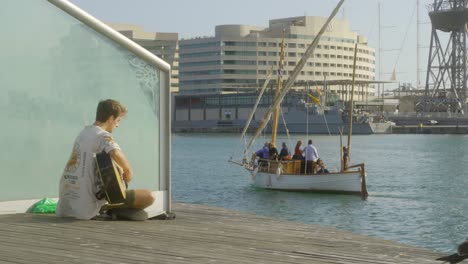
130,214
105,216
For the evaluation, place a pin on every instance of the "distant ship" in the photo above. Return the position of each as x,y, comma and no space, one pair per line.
229,113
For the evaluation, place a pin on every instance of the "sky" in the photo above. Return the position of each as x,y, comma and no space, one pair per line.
192,18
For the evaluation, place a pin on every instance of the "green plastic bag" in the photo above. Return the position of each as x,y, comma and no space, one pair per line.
44,206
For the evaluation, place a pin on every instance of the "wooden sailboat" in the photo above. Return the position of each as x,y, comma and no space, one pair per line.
287,175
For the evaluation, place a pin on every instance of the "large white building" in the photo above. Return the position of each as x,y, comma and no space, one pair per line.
238,57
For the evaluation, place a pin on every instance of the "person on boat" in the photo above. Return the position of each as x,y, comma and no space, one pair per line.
298,151
311,156
261,154
320,167
298,155
80,189
284,153
273,152
345,158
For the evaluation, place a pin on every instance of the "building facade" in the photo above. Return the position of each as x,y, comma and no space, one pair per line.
239,57
163,45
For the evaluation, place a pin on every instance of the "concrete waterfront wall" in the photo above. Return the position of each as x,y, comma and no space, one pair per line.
430,129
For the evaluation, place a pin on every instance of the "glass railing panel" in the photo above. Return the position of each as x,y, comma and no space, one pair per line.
53,73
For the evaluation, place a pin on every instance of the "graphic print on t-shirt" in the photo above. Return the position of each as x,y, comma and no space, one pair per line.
74,161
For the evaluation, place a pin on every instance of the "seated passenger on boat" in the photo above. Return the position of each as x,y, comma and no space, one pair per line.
262,153
284,153
273,152
298,151
320,167
311,156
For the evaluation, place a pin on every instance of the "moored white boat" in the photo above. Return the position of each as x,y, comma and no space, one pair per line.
292,175
285,175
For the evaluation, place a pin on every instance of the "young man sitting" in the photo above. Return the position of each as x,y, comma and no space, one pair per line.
80,185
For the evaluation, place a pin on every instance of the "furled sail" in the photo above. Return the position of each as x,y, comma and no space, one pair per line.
290,81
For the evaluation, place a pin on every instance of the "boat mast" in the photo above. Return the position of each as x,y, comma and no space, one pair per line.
290,81
351,102
418,45
274,128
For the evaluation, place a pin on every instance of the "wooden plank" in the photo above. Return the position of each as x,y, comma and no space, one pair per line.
199,234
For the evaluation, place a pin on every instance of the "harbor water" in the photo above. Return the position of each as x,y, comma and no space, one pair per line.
418,185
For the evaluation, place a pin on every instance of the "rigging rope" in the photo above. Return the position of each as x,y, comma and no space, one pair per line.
404,39
254,109
286,127
325,105
307,124
326,123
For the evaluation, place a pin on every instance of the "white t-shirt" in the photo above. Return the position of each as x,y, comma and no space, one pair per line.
79,182
311,153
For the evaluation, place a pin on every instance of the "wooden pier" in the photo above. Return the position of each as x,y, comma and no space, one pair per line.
199,234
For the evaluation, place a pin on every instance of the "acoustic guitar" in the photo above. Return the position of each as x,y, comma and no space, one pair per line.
113,185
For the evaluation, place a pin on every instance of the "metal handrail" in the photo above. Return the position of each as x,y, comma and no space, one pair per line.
109,32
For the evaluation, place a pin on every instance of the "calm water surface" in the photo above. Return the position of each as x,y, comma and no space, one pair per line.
418,185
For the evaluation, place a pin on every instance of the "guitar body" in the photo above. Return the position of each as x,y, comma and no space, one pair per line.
111,178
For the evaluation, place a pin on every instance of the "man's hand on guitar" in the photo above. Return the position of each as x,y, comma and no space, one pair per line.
122,174
126,179
121,160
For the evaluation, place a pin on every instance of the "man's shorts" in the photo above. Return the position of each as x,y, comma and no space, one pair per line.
129,198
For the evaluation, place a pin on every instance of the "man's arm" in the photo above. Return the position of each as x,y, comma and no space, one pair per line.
122,161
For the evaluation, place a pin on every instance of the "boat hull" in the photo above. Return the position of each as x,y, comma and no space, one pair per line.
343,182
